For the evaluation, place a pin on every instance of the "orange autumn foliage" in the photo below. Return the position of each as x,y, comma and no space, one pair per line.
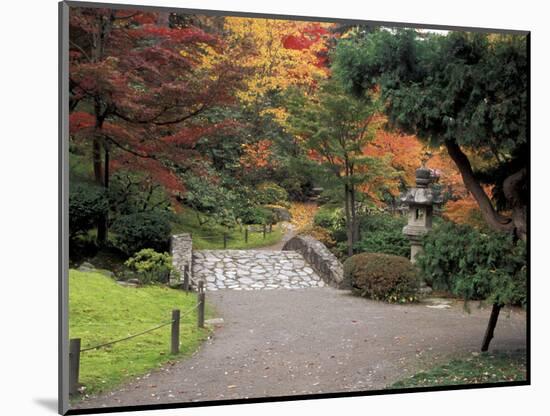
462,208
462,211
404,154
257,155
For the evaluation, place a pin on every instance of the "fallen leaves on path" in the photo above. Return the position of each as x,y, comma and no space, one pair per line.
302,214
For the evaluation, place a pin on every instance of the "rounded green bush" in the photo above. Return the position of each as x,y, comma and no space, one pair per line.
382,277
256,215
87,204
142,230
151,266
271,193
330,218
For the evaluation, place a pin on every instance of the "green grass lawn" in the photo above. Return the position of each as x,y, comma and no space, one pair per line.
482,368
100,310
210,236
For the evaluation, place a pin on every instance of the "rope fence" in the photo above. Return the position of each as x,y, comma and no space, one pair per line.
75,349
126,338
266,228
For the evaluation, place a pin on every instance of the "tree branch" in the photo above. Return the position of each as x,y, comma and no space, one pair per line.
160,123
81,50
125,17
491,216
126,149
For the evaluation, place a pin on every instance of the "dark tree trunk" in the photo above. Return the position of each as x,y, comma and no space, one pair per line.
349,225
490,332
98,166
100,176
491,216
103,222
514,190
106,176
354,222
100,172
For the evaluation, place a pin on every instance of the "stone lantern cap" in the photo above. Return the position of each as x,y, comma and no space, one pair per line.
422,194
423,177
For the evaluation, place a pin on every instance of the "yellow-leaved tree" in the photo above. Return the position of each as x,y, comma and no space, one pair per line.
277,54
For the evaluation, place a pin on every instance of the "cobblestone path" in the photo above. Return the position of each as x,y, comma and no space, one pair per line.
253,270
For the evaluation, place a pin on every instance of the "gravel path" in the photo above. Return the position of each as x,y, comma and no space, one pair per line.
285,342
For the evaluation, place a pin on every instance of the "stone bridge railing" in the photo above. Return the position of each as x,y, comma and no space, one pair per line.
325,264
181,248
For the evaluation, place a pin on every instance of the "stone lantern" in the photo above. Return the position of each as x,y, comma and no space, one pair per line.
420,201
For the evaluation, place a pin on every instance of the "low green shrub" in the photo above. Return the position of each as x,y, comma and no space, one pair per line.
379,233
82,247
257,215
474,264
381,221
383,233
382,277
296,189
330,218
142,230
270,193
87,204
150,266
387,242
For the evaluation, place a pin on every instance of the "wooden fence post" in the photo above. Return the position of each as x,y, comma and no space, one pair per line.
200,300
264,231
246,235
175,344
224,240
74,365
186,277
270,227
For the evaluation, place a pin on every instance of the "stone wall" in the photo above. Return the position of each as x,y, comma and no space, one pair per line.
320,259
181,248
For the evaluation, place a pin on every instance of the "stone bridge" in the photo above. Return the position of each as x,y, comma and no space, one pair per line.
303,263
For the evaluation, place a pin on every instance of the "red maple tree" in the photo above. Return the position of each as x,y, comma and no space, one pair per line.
138,91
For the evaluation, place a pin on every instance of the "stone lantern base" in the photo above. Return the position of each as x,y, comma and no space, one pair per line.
415,237
415,234
415,249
